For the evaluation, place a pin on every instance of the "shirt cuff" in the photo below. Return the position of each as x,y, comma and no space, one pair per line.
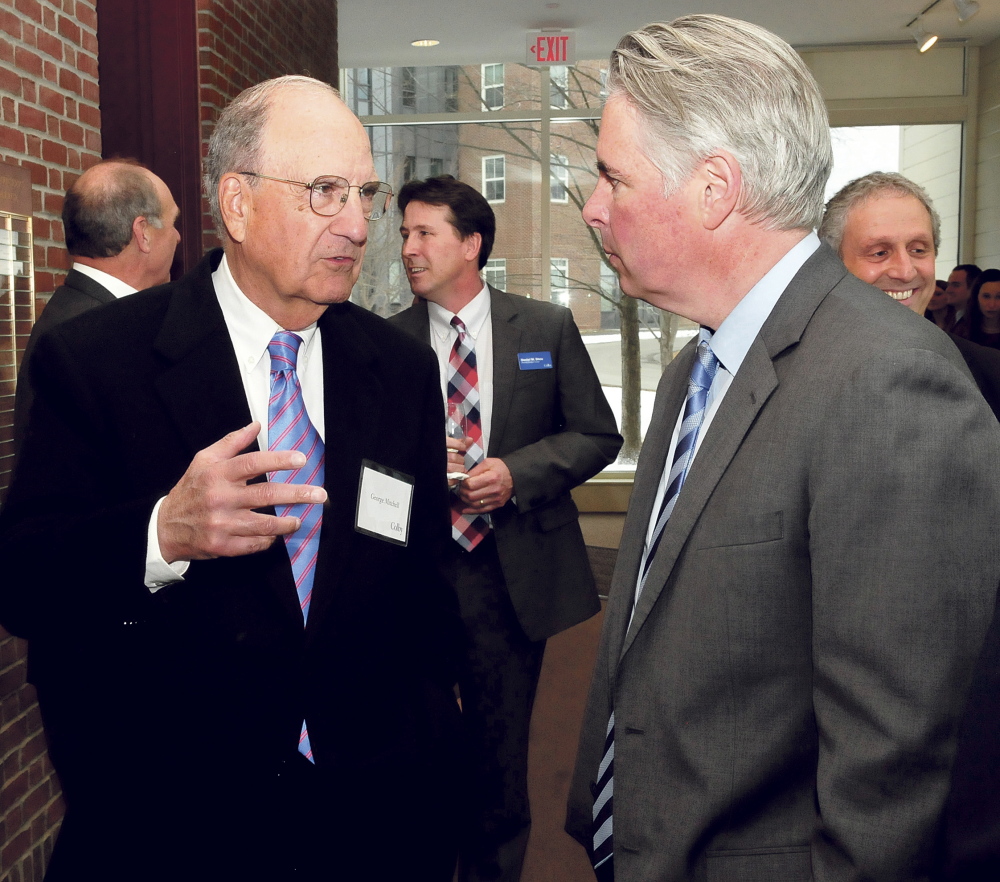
158,572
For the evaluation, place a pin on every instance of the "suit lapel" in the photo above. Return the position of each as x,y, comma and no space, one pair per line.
200,383
506,342
754,384
202,388
354,400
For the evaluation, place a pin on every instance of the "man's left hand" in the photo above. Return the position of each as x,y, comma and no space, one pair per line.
488,487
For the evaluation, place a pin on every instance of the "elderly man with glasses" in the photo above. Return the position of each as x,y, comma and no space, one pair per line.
243,652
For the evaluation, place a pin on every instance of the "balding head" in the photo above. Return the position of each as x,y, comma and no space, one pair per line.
119,217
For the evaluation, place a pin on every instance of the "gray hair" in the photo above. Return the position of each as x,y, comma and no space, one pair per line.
99,208
861,190
705,82
237,142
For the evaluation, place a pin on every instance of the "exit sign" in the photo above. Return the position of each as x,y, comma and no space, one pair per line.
550,47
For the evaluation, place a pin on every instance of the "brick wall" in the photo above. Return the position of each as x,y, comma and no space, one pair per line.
241,42
50,124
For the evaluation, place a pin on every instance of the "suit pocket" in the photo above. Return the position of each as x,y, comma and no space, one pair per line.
761,865
752,528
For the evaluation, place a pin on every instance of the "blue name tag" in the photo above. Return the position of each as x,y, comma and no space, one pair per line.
535,361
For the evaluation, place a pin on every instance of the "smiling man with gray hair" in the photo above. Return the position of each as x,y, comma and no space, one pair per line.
787,645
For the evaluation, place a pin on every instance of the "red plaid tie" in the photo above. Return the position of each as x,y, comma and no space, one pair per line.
463,389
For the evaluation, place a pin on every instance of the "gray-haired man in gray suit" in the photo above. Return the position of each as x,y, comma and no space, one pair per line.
807,570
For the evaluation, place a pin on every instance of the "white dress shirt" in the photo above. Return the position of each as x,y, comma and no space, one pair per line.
250,330
115,285
476,316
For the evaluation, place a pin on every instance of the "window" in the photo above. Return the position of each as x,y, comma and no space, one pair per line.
451,89
492,86
409,87
559,280
495,272
363,91
494,178
559,87
558,178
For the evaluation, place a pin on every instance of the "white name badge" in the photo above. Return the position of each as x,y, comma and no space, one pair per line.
385,498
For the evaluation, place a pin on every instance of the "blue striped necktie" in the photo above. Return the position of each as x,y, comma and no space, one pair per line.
703,372
289,428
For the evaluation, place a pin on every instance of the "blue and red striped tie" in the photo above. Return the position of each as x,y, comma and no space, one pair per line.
289,428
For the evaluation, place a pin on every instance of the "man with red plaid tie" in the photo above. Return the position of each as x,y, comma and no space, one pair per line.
534,424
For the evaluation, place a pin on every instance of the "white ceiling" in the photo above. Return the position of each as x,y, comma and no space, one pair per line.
377,33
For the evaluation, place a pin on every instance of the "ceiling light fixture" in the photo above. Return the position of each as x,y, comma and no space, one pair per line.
924,39
423,44
966,9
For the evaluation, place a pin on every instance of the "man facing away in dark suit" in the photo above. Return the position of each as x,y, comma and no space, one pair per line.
806,569
537,424
222,543
886,230
119,220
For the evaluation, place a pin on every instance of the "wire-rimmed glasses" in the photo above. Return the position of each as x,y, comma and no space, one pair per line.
328,194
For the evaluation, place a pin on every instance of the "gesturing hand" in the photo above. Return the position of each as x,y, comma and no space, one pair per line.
210,511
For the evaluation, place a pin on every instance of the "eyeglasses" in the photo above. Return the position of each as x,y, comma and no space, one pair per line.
329,194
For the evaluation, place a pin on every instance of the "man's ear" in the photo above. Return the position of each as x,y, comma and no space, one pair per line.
722,187
234,205
472,243
140,234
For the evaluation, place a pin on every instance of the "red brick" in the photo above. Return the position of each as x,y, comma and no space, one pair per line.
41,226
50,44
90,115
29,91
11,139
53,203
71,133
30,8
10,24
30,117
71,111
29,34
6,52
48,18
69,80
90,91
69,29
50,70
10,81
54,152
93,141
51,99
89,42
86,14
35,802
28,62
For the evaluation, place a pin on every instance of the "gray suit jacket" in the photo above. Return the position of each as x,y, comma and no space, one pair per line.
77,294
554,429
786,694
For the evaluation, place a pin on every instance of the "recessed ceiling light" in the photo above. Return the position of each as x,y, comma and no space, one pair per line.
425,43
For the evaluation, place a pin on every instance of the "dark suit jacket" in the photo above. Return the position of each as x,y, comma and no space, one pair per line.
170,713
971,837
984,365
554,429
77,294
786,694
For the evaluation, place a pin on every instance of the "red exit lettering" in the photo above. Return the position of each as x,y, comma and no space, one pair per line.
551,49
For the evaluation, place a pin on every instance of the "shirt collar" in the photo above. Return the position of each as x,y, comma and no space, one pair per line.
736,334
250,328
474,314
115,285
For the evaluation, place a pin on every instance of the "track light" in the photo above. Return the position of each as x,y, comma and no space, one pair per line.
923,38
966,9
